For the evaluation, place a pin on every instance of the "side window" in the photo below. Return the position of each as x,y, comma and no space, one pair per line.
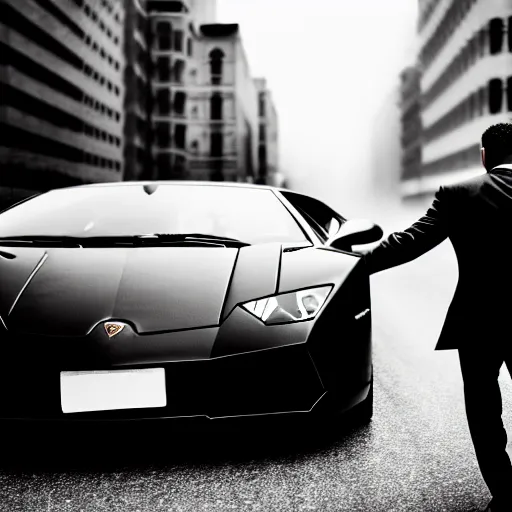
322,219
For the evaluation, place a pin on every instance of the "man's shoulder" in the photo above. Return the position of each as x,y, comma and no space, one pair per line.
467,186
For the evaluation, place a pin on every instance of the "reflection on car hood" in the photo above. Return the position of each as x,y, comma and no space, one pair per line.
67,292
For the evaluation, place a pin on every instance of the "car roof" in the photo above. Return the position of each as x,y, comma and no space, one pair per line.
229,184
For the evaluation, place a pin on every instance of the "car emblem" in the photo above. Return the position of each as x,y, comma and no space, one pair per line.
113,328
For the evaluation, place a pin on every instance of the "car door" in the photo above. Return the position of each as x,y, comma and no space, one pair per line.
322,219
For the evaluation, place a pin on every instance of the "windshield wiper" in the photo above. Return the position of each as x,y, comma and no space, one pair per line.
139,240
193,237
68,241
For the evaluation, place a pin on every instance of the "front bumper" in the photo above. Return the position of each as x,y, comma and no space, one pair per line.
273,381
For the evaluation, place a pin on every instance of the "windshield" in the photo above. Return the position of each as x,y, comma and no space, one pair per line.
251,215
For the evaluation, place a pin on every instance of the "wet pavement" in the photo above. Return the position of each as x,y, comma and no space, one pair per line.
416,455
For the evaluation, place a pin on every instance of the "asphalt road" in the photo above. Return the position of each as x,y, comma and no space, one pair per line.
416,455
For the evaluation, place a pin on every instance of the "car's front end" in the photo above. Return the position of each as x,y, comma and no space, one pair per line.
185,330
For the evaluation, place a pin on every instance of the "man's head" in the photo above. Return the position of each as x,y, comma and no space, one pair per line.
497,145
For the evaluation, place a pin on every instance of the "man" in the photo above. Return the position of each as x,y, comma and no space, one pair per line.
476,215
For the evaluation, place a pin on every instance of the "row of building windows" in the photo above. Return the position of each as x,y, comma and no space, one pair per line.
163,135
53,115
92,14
453,17
171,70
102,108
164,107
11,57
101,162
102,53
168,71
164,140
16,138
102,135
489,39
28,29
464,159
169,39
490,99
101,79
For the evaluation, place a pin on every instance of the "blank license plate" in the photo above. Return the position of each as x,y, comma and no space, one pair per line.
112,390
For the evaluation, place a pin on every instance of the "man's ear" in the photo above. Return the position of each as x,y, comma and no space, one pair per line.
482,152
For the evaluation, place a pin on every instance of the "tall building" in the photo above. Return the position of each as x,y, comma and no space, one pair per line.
137,100
204,115
268,153
61,96
170,41
224,108
465,54
411,128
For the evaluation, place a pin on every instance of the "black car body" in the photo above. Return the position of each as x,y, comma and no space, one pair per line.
140,300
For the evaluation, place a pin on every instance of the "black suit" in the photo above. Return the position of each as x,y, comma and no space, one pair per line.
476,215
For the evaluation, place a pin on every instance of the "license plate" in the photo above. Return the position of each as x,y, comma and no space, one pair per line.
112,390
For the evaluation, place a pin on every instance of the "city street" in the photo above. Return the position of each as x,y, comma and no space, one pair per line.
416,455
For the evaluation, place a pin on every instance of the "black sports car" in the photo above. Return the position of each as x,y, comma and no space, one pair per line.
141,300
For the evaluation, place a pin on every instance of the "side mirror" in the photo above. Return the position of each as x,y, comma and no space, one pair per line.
355,232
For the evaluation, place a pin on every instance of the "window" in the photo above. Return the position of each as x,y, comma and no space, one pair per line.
261,104
180,135
177,71
189,47
216,63
495,96
263,133
163,101
178,41
179,103
496,35
216,107
163,66
216,144
163,134
324,221
164,35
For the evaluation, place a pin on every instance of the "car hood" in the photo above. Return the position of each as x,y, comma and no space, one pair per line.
68,291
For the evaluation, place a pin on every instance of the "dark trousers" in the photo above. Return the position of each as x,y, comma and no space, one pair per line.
480,371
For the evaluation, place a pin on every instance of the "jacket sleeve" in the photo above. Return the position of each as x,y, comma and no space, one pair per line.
404,246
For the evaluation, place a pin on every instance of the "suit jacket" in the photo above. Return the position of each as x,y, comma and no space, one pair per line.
476,215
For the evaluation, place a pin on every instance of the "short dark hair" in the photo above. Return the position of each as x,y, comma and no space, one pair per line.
497,141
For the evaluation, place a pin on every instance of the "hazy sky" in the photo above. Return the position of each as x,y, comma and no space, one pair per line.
330,65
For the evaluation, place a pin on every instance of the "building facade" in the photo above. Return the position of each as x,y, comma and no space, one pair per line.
465,56
137,154
61,96
204,115
268,143
110,90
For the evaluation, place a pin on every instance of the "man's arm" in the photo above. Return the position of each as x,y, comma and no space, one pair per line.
404,246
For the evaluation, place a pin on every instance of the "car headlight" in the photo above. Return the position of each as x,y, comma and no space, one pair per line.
289,307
